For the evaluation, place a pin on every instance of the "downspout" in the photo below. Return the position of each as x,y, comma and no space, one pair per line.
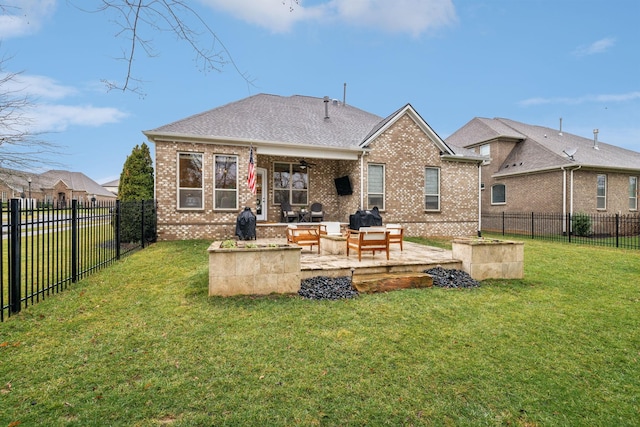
571,194
564,199
479,199
362,180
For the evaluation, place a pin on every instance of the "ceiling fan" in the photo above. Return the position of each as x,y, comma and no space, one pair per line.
304,164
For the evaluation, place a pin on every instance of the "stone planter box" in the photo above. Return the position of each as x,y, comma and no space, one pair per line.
333,245
253,271
490,258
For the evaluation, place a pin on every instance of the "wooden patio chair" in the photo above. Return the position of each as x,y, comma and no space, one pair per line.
368,239
304,235
396,234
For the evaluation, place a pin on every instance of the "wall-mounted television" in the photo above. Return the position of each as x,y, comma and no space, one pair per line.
343,186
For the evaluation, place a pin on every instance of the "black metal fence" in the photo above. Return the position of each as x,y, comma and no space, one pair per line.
614,230
44,249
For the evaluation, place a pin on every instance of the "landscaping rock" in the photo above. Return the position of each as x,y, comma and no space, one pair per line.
331,288
444,278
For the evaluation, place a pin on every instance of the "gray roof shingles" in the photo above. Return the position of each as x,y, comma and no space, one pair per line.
295,119
541,147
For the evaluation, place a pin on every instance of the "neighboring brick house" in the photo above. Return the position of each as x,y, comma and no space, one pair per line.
539,169
54,187
301,146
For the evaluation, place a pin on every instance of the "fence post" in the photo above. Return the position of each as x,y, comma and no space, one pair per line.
617,229
569,228
74,240
533,235
503,223
15,253
118,229
142,223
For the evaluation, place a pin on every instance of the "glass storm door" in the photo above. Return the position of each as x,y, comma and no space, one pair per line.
261,194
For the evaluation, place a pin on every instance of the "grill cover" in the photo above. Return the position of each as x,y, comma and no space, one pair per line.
246,225
365,218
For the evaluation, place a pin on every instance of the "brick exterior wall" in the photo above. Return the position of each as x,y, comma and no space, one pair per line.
404,150
542,192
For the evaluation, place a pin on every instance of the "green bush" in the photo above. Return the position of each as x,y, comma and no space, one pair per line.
581,225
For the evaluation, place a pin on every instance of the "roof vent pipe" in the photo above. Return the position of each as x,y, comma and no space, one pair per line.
560,133
326,107
344,95
595,139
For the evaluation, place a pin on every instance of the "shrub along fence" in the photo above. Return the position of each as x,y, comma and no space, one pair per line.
614,230
45,249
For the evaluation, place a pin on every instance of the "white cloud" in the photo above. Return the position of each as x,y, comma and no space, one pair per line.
37,87
58,118
400,16
599,46
24,17
621,97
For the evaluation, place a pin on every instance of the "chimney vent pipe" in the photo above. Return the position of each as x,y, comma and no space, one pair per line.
595,139
326,107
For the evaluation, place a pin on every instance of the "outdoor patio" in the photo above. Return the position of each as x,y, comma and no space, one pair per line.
413,258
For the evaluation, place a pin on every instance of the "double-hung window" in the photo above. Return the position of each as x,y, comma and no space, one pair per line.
225,188
601,195
498,194
432,189
633,193
375,186
290,184
190,182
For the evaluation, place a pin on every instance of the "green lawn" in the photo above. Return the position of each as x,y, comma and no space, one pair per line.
141,343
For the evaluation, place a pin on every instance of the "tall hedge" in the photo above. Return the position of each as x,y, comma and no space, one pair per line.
136,185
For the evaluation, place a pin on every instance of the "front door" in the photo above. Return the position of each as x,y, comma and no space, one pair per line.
261,194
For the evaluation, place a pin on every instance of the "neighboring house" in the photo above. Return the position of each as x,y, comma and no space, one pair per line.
55,187
301,146
539,169
112,186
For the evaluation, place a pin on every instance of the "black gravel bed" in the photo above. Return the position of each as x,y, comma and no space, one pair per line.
332,288
444,278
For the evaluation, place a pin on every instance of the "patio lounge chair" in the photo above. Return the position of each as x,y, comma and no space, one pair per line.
396,234
330,228
368,239
316,213
287,213
304,235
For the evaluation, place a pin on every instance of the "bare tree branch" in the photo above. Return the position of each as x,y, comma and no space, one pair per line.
133,17
19,147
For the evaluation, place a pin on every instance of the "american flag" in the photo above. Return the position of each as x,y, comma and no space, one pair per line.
251,180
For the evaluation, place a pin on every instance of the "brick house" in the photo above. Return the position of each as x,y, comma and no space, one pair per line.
54,187
539,169
301,146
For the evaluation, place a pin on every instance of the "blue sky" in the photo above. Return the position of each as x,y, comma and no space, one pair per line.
528,60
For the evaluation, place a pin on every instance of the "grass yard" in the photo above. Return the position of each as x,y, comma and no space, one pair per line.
142,344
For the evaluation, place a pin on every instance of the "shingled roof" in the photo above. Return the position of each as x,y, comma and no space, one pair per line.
272,118
76,181
542,148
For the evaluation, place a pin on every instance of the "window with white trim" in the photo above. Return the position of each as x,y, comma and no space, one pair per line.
485,150
601,192
190,182
225,185
498,194
375,186
633,193
432,189
290,184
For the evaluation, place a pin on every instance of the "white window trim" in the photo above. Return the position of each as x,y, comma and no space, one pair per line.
635,198
505,195
178,188
384,184
425,190
234,208
605,192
